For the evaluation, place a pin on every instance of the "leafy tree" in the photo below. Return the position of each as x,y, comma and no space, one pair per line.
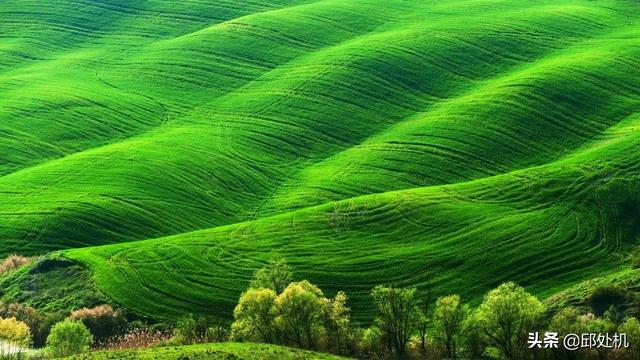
186,331
337,322
275,276
15,336
422,317
254,316
506,316
67,338
565,321
397,309
631,327
300,308
591,324
474,338
449,316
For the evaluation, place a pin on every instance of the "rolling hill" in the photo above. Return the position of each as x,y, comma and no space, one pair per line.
174,148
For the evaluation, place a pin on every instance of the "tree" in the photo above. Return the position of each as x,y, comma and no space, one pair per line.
422,317
591,324
67,338
275,276
337,322
300,307
449,316
565,322
15,336
631,328
506,316
254,316
397,309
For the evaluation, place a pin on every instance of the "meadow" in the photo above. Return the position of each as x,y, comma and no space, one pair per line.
170,149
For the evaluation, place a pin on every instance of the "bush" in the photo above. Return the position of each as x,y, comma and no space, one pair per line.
67,338
30,316
15,336
603,297
13,262
186,331
40,336
139,338
217,334
102,321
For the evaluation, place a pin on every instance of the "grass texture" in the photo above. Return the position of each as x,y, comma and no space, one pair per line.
174,148
210,352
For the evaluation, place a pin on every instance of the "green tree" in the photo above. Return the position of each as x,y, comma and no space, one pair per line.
300,307
565,321
254,316
276,275
506,316
337,322
397,309
631,328
67,338
15,336
591,324
449,316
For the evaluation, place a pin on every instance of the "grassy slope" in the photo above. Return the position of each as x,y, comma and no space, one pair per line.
507,126
212,351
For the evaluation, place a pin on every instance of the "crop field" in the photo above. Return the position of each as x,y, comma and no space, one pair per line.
173,148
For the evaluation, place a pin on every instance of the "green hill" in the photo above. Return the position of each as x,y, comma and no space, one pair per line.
365,141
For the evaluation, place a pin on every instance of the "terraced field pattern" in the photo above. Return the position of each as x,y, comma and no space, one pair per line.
174,147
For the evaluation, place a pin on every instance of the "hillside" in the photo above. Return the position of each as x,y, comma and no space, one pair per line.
174,148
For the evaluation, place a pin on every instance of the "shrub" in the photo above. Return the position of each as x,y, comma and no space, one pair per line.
603,297
40,336
186,330
30,316
67,338
102,321
139,338
217,334
15,336
13,262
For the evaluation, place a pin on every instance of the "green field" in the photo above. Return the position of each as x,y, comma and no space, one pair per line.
211,352
173,148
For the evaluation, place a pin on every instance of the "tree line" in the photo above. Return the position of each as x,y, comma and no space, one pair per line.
275,309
